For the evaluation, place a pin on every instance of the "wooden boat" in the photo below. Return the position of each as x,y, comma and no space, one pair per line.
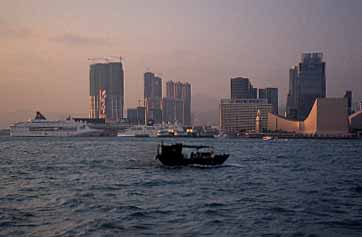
176,155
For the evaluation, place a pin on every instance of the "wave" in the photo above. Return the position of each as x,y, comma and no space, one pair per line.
234,165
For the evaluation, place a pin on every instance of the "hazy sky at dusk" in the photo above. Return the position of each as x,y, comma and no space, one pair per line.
44,46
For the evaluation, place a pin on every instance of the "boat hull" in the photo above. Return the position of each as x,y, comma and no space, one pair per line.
55,134
41,127
181,161
173,155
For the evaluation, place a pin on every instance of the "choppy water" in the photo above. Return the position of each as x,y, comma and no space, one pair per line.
113,186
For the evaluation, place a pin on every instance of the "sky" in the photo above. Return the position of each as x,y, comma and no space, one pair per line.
45,46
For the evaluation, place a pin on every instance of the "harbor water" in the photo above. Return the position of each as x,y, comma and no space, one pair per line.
114,187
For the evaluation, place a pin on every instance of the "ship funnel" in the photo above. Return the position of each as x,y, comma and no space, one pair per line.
39,116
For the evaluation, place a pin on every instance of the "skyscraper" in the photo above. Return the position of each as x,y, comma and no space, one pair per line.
177,103
186,97
153,96
172,110
168,110
271,94
307,81
106,96
262,93
152,86
170,89
293,93
241,88
178,89
348,95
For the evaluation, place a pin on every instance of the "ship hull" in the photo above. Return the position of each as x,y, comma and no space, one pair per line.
53,134
181,161
41,127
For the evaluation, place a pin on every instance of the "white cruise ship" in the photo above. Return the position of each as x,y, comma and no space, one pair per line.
41,127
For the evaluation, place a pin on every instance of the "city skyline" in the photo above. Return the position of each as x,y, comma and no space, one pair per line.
44,64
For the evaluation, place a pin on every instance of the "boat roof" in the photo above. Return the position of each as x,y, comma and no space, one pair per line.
188,146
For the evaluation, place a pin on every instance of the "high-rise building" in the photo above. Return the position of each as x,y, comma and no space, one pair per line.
307,81
173,110
254,93
293,94
186,97
239,115
241,88
168,109
152,86
176,105
271,94
153,97
348,95
179,86
136,116
106,96
262,93
170,89
360,105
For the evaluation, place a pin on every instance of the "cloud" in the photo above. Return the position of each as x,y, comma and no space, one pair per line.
10,31
76,39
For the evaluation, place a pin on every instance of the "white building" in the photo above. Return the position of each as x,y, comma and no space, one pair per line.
238,115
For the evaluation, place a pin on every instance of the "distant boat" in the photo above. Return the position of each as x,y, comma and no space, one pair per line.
165,132
267,138
41,127
179,132
153,131
176,155
139,131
